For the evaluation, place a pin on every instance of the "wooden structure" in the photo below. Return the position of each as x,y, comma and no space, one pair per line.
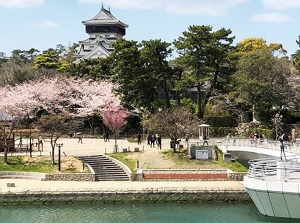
6,122
19,140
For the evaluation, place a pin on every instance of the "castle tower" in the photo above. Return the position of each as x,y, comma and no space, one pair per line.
103,30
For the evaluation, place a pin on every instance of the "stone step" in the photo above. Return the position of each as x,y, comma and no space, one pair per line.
105,168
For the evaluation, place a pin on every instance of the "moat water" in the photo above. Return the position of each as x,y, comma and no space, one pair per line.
145,213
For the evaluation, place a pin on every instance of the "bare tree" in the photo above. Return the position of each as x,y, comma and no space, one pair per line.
174,123
54,126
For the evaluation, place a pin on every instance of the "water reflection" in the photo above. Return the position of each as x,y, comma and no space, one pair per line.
144,213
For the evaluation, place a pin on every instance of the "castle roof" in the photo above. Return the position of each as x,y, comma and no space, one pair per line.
104,17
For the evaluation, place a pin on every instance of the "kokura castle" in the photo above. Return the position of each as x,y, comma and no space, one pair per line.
103,30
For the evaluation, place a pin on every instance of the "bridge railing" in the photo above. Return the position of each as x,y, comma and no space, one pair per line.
293,147
287,169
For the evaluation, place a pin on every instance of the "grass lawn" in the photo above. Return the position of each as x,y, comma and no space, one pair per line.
182,159
41,165
123,157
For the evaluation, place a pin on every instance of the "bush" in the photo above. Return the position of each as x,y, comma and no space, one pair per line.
221,121
221,131
266,133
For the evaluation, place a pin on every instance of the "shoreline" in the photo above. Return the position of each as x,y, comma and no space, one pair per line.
32,192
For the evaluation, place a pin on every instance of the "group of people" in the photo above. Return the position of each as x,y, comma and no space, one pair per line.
106,136
154,139
256,138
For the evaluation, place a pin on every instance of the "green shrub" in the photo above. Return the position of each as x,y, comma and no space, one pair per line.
221,121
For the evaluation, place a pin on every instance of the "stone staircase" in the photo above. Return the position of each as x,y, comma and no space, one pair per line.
105,168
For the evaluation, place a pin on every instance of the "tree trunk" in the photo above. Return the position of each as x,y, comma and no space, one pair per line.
166,92
53,142
199,102
5,161
5,146
116,145
254,120
91,124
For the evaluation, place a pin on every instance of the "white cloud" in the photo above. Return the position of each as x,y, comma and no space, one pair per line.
180,7
281,4
136,4
202,7
271,17
45,25
21,3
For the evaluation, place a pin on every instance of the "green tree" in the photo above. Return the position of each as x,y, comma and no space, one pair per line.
253,43
95,69
18,68
154,55
296,56
24,55
143,73
204,55
49,59
134,87
263,84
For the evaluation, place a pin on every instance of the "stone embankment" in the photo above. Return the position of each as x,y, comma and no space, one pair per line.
146,186
146,195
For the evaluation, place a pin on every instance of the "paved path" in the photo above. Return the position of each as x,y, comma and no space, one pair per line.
22,185
91,146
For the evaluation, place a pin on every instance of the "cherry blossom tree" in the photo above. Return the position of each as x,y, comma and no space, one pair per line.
92,103
75,97
115,118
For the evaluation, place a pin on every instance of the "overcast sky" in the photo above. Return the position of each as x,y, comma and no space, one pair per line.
43,24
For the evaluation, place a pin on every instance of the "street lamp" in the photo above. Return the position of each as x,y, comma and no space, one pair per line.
59,145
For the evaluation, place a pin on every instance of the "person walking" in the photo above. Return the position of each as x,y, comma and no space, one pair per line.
79,136
104,137
152,141
40,144
158,141
139,139
107,136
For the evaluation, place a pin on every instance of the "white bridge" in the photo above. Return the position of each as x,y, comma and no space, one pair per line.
273,180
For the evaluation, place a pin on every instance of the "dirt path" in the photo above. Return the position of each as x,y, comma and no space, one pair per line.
152,159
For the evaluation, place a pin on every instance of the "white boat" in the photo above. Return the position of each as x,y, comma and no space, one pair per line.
274,186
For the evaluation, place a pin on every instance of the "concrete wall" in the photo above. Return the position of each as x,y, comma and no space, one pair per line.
142,175
70,177
150,195
186,175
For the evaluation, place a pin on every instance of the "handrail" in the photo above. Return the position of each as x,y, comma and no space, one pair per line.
262,168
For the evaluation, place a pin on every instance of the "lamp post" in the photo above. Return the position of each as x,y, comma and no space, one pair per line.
59,145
